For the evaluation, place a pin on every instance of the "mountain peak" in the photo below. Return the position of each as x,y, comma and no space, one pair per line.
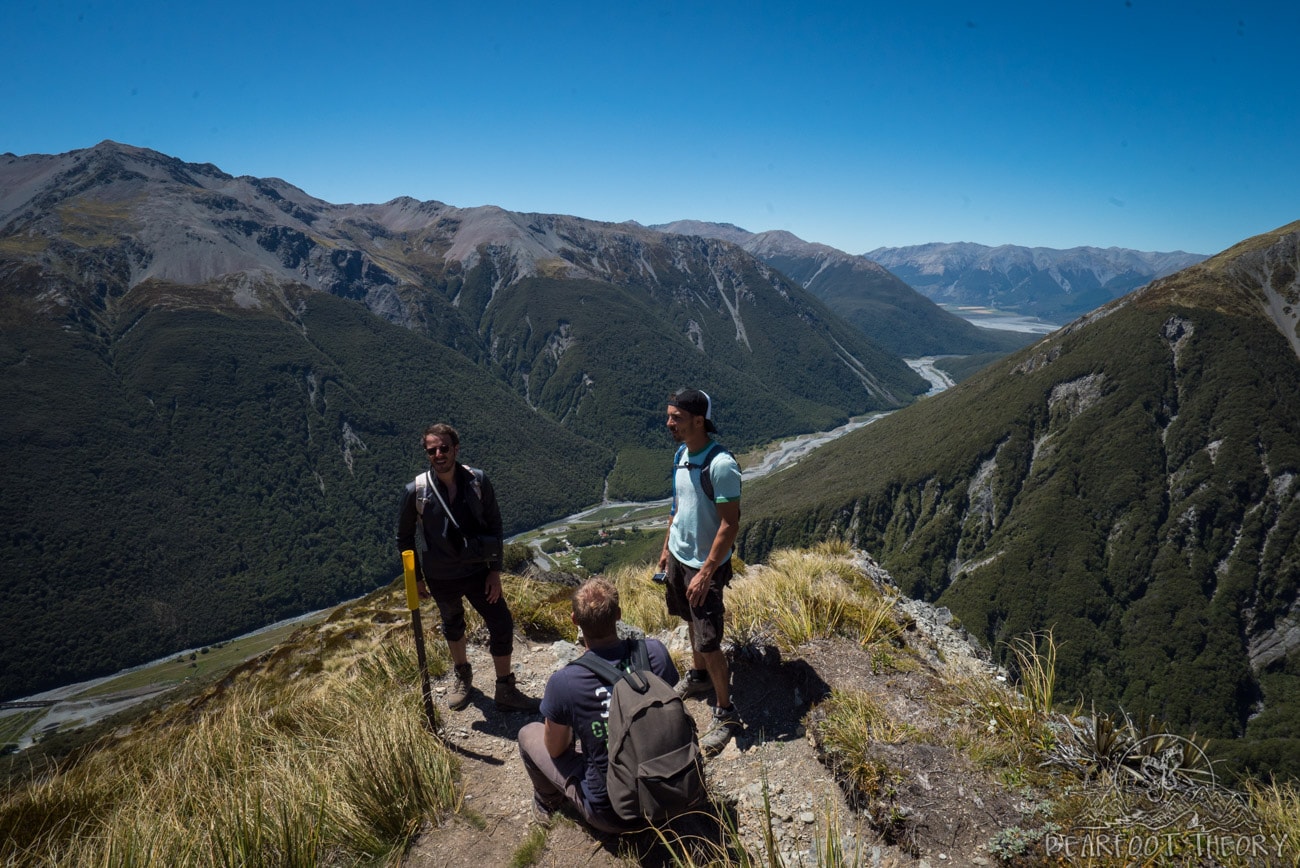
1258,275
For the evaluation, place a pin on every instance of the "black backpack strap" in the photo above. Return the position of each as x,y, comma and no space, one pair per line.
476,487
706,478
611,674
640,656
706,481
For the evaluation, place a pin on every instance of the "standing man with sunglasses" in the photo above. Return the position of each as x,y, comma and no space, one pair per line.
454,508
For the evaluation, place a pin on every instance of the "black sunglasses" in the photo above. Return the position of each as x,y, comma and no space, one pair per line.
434,450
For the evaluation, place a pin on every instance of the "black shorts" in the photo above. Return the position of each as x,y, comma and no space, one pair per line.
705,620
449,596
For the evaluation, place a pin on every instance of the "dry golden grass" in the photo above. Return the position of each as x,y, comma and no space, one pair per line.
269,771
642,600
540,609
1278,807
804,595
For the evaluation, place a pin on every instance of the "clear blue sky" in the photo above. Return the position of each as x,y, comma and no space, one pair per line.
1150,125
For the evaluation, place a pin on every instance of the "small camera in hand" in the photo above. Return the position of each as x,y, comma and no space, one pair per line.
659,578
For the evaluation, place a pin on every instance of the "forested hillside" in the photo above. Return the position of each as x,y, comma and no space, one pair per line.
204,473
1129,483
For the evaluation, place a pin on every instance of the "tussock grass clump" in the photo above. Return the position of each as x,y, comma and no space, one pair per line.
832,548
1001,726
1278,807
540,609
266,772
532,848
1035,656
996,726
712,838
851,720
848,724
641,599
804,595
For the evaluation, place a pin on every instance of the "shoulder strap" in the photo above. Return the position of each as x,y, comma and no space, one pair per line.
677,465
611,674
709,455
425,481
640,656
606,671
706,478
706,481
420,495
433,485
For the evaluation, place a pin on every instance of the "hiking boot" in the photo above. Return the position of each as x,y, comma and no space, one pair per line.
692,686
509,697
726,724
543,814
458,693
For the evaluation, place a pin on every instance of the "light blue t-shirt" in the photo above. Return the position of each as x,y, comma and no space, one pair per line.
696,521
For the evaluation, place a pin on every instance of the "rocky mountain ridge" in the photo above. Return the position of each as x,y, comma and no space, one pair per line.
142,219
777,757
1257,275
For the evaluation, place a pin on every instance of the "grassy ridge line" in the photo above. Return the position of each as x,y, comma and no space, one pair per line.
204,663
189,671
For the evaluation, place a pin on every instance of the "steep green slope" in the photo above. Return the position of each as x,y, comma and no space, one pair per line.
203,473
553,338
1130,483
863,293
893,314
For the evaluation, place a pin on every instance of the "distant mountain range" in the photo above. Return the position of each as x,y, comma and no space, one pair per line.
1130,483
1055,285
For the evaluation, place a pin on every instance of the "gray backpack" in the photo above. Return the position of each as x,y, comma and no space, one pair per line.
655,768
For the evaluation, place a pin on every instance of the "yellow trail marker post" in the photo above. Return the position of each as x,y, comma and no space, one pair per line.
413,603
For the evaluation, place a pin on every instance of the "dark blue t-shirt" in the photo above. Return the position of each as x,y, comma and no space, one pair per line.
578,698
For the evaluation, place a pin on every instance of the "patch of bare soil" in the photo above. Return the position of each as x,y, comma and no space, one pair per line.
939,810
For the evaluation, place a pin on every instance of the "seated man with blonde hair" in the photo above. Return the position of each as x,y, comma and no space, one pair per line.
576,704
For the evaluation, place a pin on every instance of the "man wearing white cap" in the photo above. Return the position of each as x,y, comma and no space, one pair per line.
697,554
